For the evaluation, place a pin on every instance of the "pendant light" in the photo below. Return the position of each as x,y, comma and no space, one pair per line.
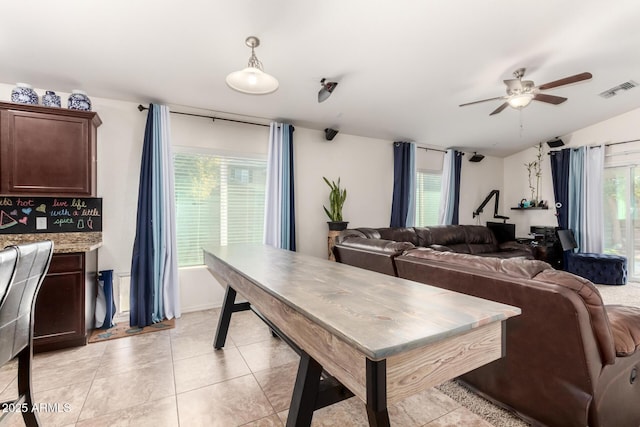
252,80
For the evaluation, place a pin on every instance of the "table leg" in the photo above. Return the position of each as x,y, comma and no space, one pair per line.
305,392
377,394
229,307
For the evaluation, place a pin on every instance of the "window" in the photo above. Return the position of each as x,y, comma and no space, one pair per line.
621,219
219,200
427,198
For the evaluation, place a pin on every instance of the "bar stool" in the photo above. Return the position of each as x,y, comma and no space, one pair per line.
28,265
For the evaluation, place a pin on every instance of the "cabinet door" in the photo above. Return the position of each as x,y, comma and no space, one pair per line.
46,154
60,311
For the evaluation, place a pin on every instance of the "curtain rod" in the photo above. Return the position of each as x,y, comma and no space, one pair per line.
431,149
142,108
424,148
606,145
622,142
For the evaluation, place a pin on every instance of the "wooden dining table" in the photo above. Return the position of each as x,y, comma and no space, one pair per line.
358,332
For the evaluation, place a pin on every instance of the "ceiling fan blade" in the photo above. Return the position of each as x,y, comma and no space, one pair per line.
482,100
499,109
551,99
566,81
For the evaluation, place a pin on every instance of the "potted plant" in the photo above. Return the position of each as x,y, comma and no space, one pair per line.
337,196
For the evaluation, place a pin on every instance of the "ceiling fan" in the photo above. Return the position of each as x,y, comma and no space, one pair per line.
521,92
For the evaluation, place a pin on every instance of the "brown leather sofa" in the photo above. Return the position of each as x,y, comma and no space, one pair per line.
381,245
570,360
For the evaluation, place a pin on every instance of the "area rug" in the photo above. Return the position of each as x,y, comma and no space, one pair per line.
628,294
123,329
480,406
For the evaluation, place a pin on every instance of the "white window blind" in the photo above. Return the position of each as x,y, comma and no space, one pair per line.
219,201
427,198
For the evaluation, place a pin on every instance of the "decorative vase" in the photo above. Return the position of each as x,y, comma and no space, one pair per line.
24,94
78,100
50,99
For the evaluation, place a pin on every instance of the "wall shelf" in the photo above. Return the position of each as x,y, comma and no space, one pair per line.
526,209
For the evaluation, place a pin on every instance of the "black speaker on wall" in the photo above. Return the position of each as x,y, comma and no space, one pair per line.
555,143
330,133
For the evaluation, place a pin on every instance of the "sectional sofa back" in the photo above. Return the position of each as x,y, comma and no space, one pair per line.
555,350
466,239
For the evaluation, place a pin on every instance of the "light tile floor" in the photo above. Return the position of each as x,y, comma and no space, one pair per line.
176,378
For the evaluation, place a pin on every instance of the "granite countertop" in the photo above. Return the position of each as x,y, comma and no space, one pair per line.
62,242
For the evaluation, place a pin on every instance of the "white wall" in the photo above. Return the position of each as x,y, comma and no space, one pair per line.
620,128
476,182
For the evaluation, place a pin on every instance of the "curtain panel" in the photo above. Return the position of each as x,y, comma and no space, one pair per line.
450,189
560,161
577,175
403,206
154,293
279,218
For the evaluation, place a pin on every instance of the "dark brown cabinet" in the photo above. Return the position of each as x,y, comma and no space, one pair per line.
52,152
47,151
66,302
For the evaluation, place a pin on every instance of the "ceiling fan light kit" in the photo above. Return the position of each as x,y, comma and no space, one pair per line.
326,90
520,101
252,80
520,92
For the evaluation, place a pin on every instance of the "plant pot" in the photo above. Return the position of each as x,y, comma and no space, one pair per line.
337,225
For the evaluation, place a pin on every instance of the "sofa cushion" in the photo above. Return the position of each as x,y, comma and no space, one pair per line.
593,302
516,267
399,234
480,239
452,236
625,326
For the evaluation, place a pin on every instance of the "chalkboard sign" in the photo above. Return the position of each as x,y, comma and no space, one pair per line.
22,215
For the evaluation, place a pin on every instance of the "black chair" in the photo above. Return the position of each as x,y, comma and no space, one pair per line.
28,268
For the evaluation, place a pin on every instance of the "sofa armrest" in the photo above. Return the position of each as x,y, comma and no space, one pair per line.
372,254
625,326
376,245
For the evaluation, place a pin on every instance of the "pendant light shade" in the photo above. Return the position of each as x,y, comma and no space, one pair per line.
252,80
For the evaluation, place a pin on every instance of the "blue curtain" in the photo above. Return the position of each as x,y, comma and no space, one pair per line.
576,177
450,188
560,161
457,167
403,208
280,218
154,272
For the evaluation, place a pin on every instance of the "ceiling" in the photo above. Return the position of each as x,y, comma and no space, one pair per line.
403,66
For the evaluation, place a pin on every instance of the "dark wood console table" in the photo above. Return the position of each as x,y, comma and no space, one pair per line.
381,337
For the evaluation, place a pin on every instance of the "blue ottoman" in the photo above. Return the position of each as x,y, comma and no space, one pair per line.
598,268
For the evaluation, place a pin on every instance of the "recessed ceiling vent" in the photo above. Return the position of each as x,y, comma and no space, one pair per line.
622,86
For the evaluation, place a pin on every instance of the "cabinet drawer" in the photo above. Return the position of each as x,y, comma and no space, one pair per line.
65,263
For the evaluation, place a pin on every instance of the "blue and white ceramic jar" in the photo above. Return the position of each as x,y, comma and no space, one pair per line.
24,94
78,100
50,99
